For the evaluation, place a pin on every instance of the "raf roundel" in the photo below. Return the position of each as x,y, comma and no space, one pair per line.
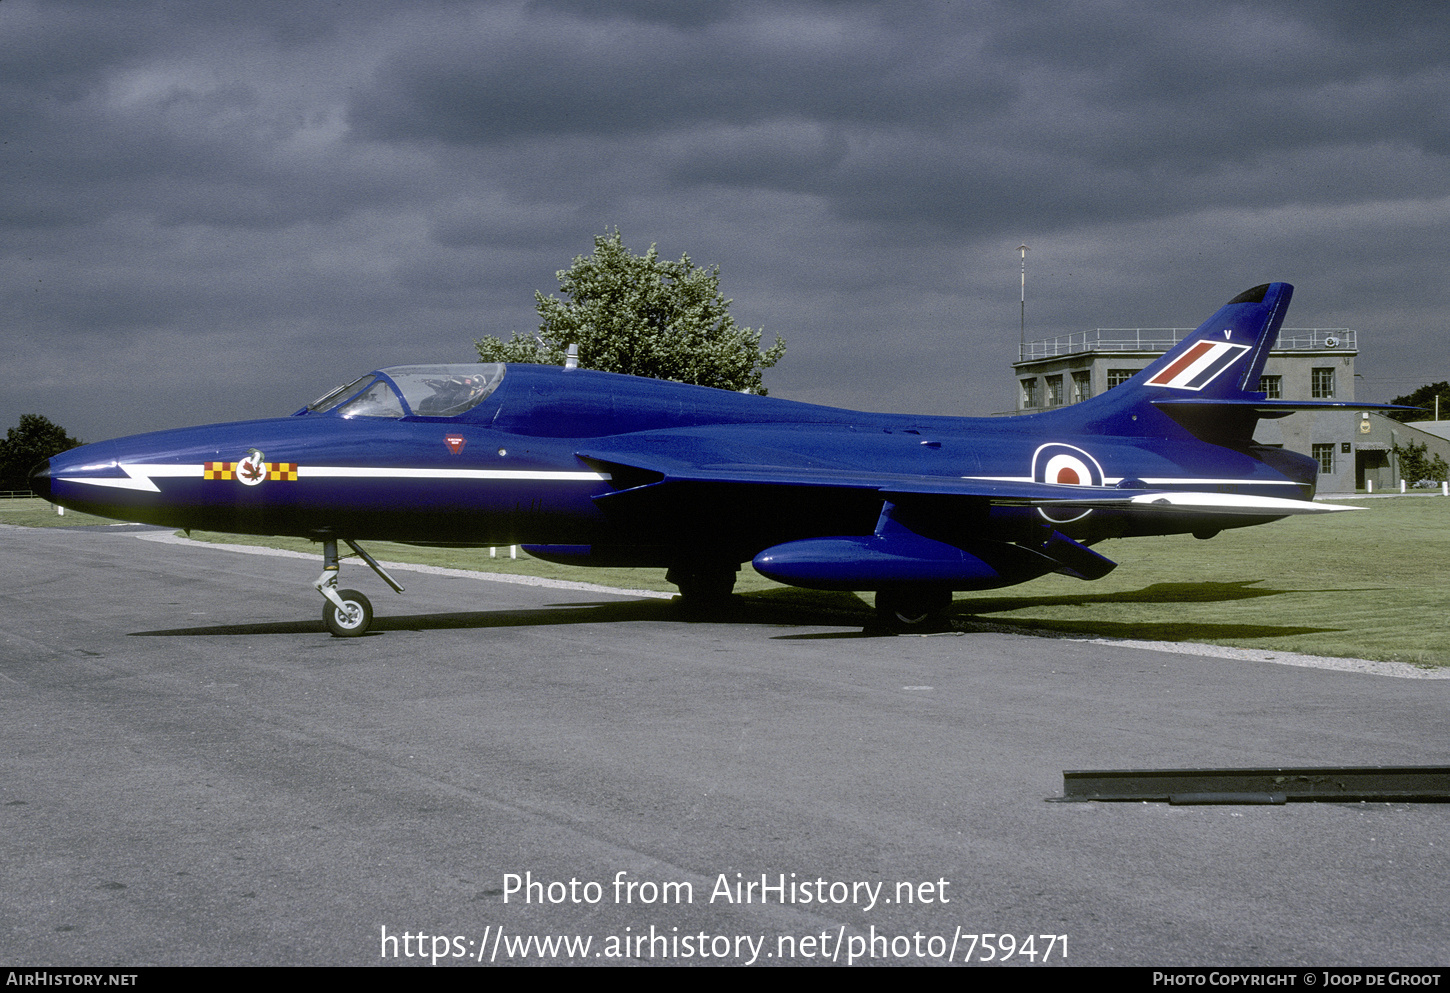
1065,465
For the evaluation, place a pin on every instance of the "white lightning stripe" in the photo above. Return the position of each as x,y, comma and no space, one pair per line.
139,476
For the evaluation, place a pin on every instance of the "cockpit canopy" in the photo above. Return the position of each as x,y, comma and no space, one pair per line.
408,390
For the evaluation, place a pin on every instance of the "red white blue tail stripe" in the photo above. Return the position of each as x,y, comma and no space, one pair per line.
1199,366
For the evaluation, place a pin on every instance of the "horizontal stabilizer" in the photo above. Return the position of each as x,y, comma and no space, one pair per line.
1269,408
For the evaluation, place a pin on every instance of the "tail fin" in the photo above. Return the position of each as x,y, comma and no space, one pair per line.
1224,357
1208,382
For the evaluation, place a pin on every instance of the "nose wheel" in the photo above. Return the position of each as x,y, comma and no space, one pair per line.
347,613
352,618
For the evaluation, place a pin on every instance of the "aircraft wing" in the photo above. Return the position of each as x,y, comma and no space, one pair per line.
928,529
637,472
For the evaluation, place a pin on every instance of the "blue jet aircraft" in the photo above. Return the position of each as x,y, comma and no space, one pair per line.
594,468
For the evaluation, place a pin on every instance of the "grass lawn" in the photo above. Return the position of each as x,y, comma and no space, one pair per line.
1373,584
36,513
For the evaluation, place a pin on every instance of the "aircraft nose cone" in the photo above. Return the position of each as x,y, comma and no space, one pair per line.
40,480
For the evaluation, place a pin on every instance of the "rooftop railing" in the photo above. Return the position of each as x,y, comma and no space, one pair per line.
1162,339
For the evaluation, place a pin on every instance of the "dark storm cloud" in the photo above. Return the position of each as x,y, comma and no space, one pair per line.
670,12
501,76
1043,114
171,111
196,191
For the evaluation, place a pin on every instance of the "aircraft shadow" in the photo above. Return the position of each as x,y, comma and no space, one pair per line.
1158,593
740,610
808,608
967,615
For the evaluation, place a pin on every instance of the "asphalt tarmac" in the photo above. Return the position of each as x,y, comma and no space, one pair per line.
194,772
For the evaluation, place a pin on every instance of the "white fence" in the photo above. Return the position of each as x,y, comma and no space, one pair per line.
1162,339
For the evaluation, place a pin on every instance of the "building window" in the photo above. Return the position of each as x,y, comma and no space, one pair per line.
1324,455
1117,377
1029,393
1321,384
1054,391
1082,386
1272,387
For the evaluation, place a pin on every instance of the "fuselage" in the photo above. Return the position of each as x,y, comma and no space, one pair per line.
533,459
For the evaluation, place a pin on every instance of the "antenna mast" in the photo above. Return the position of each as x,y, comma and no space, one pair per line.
1022,347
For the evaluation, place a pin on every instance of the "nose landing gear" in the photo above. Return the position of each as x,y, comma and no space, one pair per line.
347,613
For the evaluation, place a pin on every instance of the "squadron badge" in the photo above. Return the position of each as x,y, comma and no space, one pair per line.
251,470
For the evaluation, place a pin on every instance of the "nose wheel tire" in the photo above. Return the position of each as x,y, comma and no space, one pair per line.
352,621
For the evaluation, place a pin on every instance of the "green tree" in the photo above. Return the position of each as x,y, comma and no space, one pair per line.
1416,464
26,445
639,315
1423,397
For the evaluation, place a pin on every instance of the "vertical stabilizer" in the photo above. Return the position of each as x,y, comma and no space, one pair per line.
1224,357
1207,383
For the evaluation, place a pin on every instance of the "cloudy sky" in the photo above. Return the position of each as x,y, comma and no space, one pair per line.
218,210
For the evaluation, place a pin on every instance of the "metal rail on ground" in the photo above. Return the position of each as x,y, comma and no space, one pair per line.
1337,784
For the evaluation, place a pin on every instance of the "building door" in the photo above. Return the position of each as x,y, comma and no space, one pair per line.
1372,466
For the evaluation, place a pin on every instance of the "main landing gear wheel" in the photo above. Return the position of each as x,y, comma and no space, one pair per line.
912,610
351,620
703,589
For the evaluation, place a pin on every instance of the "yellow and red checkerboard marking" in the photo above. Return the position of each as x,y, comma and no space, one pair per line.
283,471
